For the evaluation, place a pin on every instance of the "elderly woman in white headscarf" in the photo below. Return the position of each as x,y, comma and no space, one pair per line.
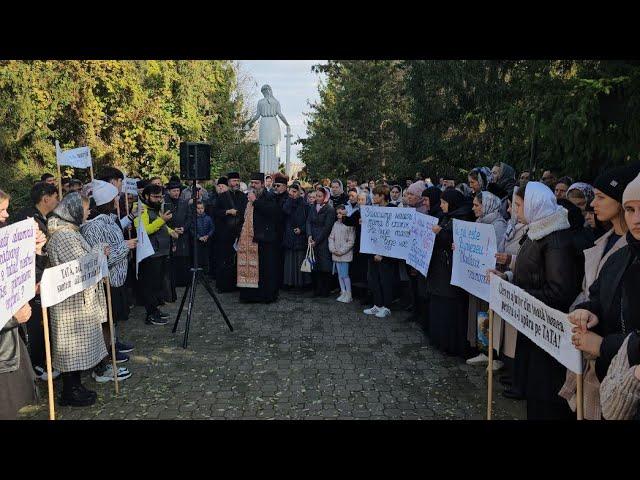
486,207
545,268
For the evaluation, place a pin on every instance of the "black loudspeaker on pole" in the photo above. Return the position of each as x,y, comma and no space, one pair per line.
195,161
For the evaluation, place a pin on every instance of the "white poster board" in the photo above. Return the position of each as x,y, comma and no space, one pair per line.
76,157
17,267
62,281
144,248
546,327
386,231
475,253
421,242
130,186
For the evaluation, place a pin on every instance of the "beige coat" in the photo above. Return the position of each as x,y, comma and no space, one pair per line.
341,242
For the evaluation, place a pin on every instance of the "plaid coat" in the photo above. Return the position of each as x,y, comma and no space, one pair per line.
76,323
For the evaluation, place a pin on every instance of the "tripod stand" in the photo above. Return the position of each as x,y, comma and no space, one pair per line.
197,275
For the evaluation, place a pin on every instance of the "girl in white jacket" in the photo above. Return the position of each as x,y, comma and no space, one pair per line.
341,243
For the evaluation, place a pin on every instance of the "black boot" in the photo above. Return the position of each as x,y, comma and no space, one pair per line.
73,393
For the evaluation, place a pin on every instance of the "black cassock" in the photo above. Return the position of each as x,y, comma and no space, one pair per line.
266,213
228,230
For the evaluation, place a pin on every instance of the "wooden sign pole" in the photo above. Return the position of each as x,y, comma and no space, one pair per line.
59,181
91,171
490,367
47,349
113,338
579,398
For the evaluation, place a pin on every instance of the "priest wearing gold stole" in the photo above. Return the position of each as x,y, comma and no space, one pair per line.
258,247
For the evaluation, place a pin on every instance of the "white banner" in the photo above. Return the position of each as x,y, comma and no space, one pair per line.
474,254
60,282
76,157
130,186
546,327
386,231
421,242
144,248
17,267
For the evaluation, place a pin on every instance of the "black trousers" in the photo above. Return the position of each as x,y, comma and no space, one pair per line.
543,410
321,283
380,276
151,282
35,332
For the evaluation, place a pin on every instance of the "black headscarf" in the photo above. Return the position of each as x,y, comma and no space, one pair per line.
433,194
454,198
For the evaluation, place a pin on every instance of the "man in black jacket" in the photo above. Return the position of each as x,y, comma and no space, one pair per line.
265,215
281,194
44,199
228,216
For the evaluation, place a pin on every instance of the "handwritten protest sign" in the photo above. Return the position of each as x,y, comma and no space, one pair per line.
386,231
474,255
546,327
130,186
17,267
76,157
421,242
60,282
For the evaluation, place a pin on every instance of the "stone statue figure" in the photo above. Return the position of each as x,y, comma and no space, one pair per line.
269,136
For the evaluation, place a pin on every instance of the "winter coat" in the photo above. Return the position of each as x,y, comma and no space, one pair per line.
341,241
295,216
42,261
620,389
594,261
613,299
439,273
545,268
341,199
265,216
204,226
499,224
76,323
10,346
319,225
106,229
182,217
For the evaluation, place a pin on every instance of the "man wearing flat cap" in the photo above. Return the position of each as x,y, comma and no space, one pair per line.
258,247
228,216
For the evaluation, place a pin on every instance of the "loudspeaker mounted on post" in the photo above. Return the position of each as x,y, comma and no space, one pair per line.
195,161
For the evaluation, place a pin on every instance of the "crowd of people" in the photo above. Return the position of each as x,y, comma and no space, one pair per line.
573,245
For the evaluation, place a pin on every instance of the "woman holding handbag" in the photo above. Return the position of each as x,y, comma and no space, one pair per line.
294,240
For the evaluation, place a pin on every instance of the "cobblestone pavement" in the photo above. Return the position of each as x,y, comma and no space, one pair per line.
299,358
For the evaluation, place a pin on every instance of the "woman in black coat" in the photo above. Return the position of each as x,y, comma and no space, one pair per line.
546,269
320,221
294,239
448,304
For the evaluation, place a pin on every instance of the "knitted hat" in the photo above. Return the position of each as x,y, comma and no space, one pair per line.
103,192
632,192
613,182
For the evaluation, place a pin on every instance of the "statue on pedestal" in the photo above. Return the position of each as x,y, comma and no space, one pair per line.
269,136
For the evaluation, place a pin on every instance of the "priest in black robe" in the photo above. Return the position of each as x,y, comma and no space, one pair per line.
228,216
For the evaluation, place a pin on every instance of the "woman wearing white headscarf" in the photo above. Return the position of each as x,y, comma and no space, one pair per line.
486,207
545,269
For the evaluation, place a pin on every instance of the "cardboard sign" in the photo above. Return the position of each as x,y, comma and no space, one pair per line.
546,327
386,231
17,267
62,281
76,157
474,254
130,186
421,242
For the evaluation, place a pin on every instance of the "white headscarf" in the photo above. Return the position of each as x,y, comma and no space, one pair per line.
490,203
539,202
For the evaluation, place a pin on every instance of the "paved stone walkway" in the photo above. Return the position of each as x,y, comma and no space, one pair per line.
300,358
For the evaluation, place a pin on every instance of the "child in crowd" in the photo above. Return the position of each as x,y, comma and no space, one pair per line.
341,242
204,230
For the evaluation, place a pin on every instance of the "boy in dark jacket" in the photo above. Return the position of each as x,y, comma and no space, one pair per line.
204,230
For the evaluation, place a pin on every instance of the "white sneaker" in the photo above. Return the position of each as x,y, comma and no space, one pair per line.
383,313
341,297
41,373
106,375
478,360
347,297
371,311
